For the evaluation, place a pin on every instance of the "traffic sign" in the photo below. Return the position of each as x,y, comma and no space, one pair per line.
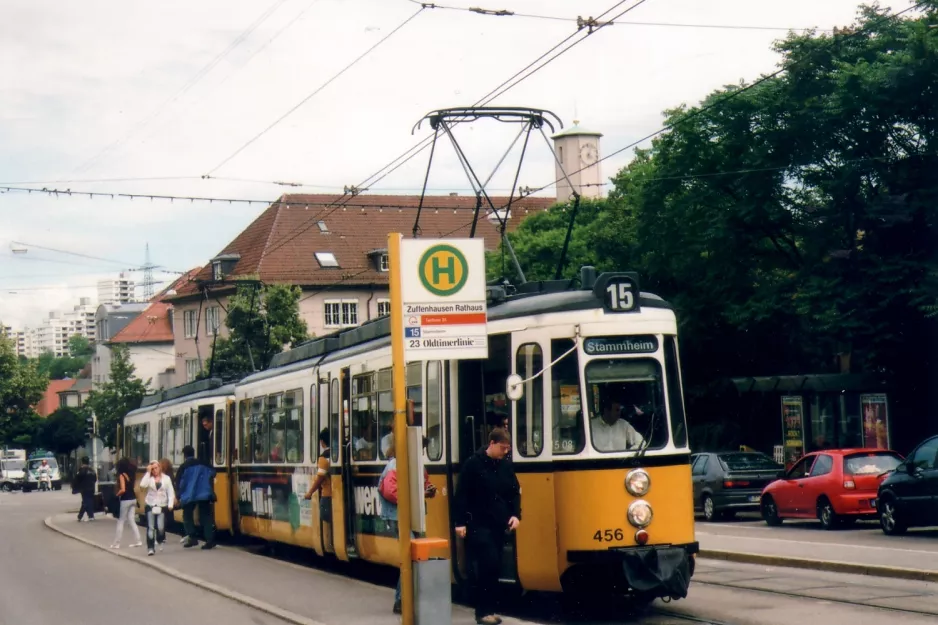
443,299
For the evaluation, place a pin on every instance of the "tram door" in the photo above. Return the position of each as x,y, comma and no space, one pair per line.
348,490
325,524
483,406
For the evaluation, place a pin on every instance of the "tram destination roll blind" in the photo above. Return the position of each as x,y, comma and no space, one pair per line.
644,344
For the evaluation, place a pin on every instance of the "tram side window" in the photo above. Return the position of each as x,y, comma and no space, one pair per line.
675,394
258,431
434,410
137,443
220,437
385,412
494,372
567,411
276,424
530,415
245,453
334,420
364,416
293,415
173,439
415,391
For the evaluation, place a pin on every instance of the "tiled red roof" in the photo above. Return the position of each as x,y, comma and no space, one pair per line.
50,400
279,246
150,326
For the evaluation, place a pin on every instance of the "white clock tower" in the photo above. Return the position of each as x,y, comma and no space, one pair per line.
577,149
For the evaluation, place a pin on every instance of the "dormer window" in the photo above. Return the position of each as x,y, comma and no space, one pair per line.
378,259
326,259
383,264
223,265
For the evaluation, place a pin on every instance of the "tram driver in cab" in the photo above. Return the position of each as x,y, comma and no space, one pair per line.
612,430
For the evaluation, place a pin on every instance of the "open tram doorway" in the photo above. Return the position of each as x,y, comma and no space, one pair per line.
483,406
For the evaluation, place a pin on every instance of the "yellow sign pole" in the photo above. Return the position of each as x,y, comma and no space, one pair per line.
399,382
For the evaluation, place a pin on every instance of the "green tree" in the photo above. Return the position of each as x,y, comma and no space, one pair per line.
79,346
791,223
261,321
59,368
64,430
21,388
122,393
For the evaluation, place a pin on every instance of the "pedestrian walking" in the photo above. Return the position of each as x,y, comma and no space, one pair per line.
487,509
128,502
158,502
196,490
387,488
84,484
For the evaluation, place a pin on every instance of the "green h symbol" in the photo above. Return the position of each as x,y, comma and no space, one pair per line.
449,269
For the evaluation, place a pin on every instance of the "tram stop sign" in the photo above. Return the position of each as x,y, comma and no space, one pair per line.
443,293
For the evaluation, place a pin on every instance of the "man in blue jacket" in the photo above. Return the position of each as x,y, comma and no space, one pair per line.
195,485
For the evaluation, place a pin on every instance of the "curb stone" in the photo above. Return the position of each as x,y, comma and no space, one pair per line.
831,566
251,602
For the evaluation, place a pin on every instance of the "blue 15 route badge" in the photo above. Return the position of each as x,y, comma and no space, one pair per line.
443,291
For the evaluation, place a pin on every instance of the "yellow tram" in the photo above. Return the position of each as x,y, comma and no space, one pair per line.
599,438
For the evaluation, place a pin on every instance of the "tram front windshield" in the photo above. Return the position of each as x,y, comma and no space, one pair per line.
626,404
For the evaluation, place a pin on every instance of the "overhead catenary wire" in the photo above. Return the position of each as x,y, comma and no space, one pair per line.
192,82
726,98
314,93
558,18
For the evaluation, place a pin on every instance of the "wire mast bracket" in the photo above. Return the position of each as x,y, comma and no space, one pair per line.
444,120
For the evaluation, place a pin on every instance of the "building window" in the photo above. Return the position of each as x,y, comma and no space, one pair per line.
341,313
192,369
384,307
212,320
383,263
216,270
190,323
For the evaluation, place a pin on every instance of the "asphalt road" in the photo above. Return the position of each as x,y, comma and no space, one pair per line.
47,579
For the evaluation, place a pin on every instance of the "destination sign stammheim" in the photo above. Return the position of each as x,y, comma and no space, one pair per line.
443,292
643,344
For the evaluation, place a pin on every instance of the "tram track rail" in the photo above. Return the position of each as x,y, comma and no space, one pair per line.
851,602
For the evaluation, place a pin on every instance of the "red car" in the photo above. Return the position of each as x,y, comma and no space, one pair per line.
835,486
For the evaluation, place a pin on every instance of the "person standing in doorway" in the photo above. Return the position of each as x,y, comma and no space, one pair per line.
158,502
205,440
85,482
487,509
323,483
196,491
128,503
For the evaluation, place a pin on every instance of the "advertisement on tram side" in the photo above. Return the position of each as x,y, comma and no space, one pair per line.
793,428
276,496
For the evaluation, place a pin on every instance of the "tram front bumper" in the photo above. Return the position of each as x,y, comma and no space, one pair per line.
660,571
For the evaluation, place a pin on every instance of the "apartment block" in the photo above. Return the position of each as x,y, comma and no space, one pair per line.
119,291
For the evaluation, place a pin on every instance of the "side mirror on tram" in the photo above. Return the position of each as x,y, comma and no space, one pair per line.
514,387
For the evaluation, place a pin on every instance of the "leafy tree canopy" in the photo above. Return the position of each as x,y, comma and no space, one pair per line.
21,388
79,346
261,321
64,430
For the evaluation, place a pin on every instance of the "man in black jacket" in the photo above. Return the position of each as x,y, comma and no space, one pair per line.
84,485
488,507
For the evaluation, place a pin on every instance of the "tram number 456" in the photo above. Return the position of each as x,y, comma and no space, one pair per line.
608,535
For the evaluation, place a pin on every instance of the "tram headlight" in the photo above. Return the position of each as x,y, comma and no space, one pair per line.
637,482
640,513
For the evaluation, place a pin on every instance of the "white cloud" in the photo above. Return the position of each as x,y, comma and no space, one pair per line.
79,77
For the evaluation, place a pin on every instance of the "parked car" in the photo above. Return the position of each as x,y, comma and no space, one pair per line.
835,486
909,496
728,482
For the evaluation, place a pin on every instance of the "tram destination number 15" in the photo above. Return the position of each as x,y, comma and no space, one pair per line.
621,296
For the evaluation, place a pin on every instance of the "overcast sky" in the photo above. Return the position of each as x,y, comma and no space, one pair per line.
99,90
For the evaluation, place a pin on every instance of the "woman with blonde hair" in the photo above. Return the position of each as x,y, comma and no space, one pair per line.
158,501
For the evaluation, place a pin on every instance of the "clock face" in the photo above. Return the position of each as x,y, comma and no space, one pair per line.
588,153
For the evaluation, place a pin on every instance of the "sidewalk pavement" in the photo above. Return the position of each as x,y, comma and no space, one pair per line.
294,593
859,551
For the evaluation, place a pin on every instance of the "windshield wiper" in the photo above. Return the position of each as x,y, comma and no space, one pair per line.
647,442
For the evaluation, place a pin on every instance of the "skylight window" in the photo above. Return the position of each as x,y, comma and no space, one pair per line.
322,226
327,259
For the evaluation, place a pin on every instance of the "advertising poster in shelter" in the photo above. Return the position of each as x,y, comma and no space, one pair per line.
793,428
875,421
